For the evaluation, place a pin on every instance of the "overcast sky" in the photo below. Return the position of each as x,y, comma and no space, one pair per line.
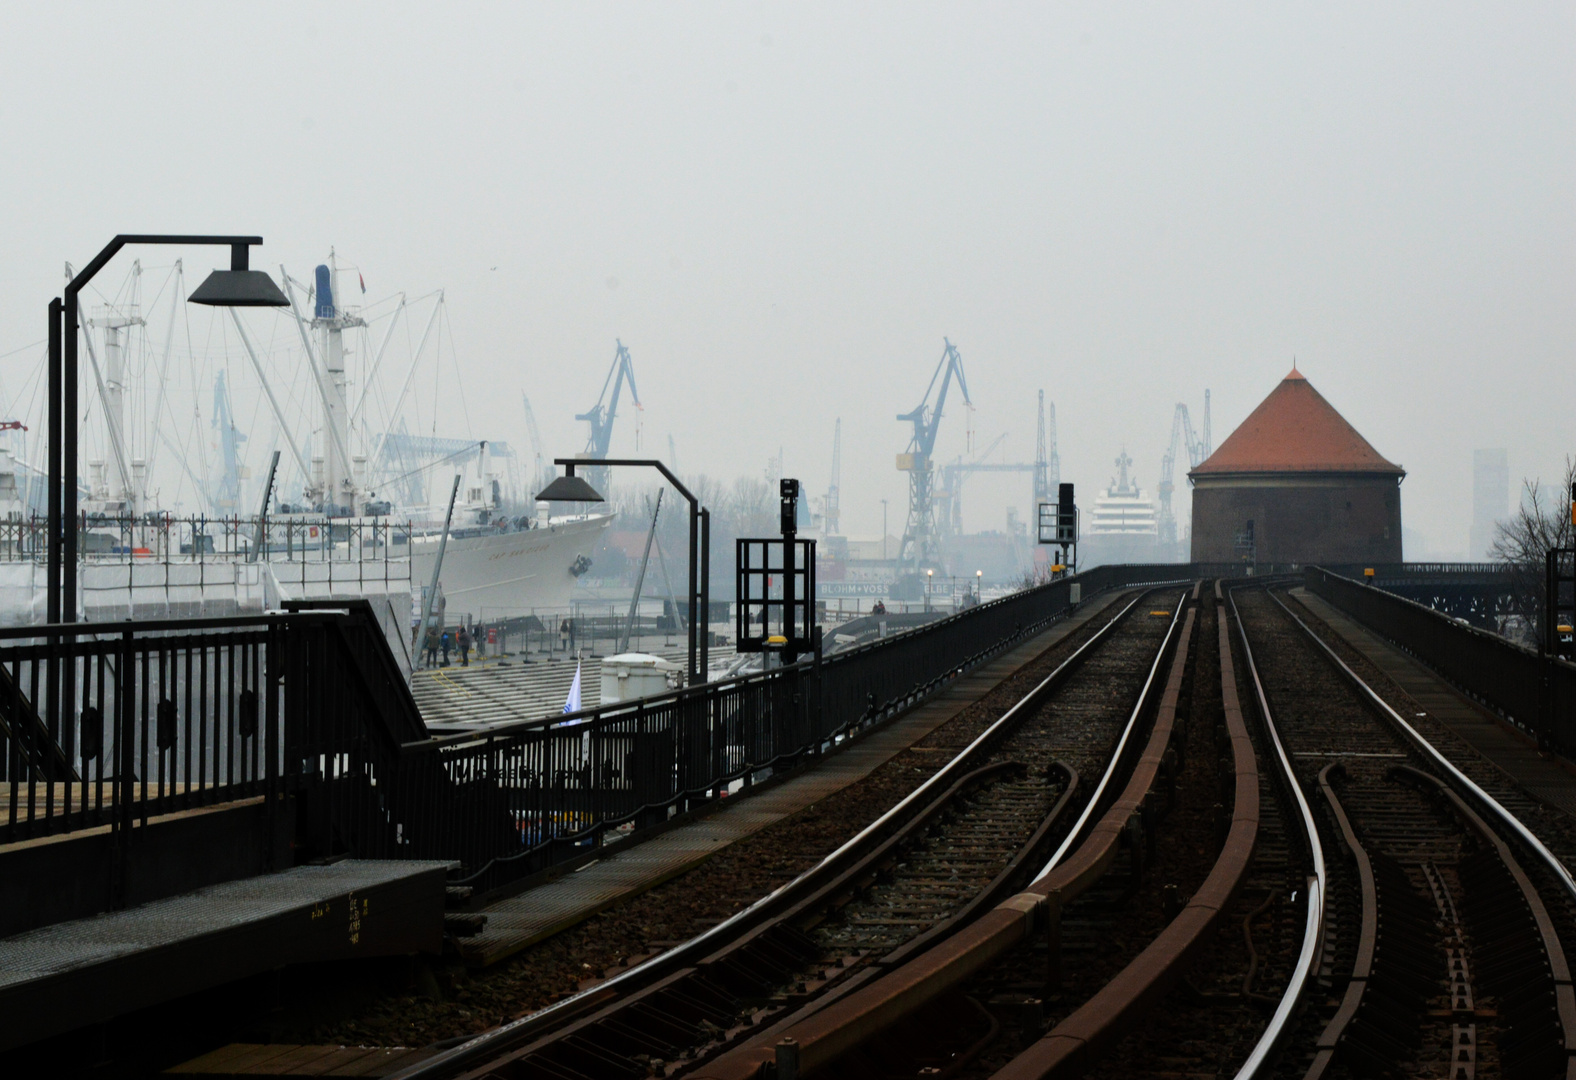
781,210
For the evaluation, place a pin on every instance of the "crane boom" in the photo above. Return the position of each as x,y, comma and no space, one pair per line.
538,465
227,494
921,544
1197,449
601,416
833,494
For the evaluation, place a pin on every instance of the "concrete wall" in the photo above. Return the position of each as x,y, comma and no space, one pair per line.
1298,518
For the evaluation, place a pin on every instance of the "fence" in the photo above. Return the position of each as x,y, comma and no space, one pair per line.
1533,692
112,724
523,796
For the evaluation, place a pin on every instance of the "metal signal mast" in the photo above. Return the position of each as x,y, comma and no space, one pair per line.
921,546
601,417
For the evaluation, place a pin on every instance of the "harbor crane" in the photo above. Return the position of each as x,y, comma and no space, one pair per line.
541,475
1197,449
831,513
227,492
601,416
921,546
1047,461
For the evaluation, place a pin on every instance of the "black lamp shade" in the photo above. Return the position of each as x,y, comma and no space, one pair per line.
239,288
569,489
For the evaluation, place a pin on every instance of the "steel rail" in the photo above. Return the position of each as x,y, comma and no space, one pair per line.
509,1037
834,1030
1130,995
1116,755
1430,751
1313,929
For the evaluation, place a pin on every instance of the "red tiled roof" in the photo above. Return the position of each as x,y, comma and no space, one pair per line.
1295,430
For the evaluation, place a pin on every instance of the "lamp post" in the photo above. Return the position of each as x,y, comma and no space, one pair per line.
979,581
238,286
929,575
572,488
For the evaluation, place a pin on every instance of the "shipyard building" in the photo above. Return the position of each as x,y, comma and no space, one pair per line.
1296,483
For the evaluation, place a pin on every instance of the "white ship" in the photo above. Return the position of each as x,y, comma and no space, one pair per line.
340,541
1123,525
1123,508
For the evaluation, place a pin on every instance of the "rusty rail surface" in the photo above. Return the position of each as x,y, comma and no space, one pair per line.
1073,1045
519,1038
842,1024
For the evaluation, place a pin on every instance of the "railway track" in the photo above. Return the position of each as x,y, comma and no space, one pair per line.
1442,941
953,848
1316,886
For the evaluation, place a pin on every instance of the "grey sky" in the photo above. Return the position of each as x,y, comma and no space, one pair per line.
782,209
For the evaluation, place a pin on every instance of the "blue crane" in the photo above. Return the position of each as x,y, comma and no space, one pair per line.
227,493
601,417
921,546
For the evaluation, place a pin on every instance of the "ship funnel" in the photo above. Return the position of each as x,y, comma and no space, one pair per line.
325,294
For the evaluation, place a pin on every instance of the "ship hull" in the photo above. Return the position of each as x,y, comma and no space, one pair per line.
496,575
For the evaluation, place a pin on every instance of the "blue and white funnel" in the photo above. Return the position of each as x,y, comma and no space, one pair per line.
325,294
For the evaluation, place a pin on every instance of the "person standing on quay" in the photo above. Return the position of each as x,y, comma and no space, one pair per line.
465,647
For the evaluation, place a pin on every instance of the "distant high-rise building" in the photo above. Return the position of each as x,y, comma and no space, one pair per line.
1490,498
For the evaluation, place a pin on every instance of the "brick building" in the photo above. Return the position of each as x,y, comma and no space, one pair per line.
1295,483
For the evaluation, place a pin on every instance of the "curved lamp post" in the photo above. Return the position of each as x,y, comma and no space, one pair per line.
572,488
238,286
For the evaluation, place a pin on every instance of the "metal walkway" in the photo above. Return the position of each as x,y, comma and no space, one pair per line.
540,912
66,976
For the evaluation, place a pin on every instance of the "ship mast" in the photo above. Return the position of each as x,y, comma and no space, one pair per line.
335,483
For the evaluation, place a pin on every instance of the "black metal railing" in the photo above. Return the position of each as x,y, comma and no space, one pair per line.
111,724
1534,692
519,797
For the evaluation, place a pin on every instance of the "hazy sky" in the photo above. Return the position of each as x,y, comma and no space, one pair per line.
781,209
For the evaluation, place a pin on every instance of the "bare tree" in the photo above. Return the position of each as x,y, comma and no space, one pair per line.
1542,522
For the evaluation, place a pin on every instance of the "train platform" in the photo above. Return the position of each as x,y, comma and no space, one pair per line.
71,974
522,920
1544,777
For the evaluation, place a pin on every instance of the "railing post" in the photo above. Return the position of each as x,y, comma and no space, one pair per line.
269,677
125,755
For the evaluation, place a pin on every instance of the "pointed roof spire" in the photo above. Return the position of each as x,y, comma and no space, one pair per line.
1295,374
1296,430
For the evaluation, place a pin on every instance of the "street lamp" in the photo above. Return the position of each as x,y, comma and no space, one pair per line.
238,286
979,581
572,488
928,575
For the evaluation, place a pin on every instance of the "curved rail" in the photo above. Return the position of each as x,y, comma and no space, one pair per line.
834,1030
508,1038
1313,928
1510,821
1454,783
1091,1029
